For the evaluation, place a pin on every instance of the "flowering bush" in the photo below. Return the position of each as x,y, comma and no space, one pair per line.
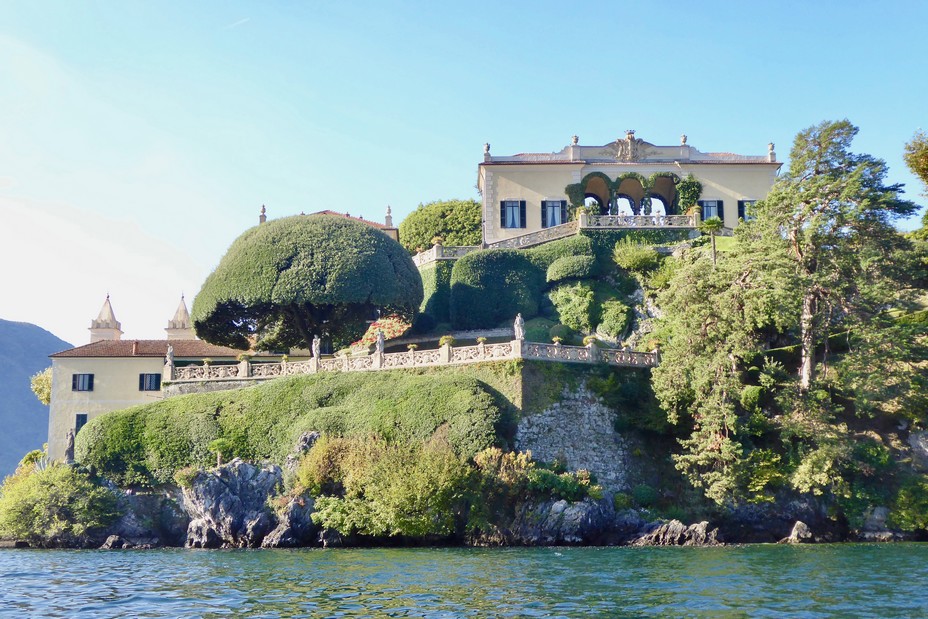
392,327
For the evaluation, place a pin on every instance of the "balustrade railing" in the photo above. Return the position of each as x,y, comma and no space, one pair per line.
440,252
535,238
638,221
446,355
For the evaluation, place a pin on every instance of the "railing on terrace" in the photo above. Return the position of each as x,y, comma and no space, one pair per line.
446,355
584,222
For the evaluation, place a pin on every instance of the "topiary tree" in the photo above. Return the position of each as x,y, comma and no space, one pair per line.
455,222
284,281
492,286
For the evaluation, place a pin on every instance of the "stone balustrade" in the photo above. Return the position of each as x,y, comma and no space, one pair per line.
440,252
637,221
536,238
444,356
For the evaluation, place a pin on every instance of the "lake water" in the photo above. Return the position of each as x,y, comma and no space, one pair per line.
750,581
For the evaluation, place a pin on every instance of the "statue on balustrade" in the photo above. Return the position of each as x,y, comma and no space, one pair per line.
317,347
519,327
380,342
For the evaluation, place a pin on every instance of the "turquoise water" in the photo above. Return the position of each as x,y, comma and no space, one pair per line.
751,581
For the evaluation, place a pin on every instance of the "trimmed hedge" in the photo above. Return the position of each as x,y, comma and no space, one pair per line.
145,445
571,267
543,256
490,287
456,222
614,318
576,305
436,288
603,241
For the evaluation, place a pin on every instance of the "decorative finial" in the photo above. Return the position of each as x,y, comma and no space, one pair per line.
486,148
574,140
388,220
263,216
629,134
771,155
682,139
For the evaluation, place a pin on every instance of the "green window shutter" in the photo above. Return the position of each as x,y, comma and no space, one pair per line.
721,210
141,382
90,382
544,214
563,211
502,213
522,213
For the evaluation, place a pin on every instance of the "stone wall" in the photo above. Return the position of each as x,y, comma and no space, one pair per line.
579,429
175,389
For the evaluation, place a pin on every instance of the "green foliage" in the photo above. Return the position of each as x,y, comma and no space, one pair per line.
571,267
575,305
388,489
614,318
57,505
222,447
909,511
537,329
750,397
41,384
543,256
635,257
145,445
491,286
184,477
561,333
688,191
644,495
916,156
287,279
455,222
604,241
622,501
661,277
436,287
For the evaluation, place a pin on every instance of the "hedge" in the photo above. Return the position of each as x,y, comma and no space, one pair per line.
436,288
145,445
603,241
571,267
489,287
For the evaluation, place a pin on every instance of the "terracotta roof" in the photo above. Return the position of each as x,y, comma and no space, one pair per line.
373,224
149,348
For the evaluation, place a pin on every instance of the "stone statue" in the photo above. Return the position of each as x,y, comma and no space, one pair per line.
317,347
169,357
519,327
69,447
486,148
575,140
683,140
380,342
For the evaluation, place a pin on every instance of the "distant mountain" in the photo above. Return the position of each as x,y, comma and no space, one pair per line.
24,350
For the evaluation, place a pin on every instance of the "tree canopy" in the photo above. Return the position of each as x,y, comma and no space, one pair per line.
284,281
768,358
455,222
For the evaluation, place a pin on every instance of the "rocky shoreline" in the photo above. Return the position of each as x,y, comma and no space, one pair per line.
236,506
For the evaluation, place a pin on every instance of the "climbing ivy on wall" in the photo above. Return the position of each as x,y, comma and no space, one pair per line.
690,187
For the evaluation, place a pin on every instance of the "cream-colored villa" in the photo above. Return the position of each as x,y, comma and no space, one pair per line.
630,182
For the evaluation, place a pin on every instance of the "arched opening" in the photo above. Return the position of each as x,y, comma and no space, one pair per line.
593,203
597,190
623,205
631,190
663,195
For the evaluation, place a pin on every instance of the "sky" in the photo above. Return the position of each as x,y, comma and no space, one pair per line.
139,139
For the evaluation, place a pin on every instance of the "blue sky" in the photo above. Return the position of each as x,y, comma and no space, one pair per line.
138,139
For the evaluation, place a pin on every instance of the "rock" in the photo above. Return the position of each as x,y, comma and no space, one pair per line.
303,445
769,523
875,519
150,519
114,542
918,441
228,505
801,534
295,527
561,522
330,538
675,533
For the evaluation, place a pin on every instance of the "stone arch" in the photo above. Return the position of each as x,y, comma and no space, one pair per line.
597,185
663,188
632,187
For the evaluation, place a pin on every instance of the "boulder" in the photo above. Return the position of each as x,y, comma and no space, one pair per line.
800,534
115,542
675,533
561,522
918,441
303,445
150,519
295,527
228,505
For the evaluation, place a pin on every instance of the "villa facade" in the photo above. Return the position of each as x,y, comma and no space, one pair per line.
629,178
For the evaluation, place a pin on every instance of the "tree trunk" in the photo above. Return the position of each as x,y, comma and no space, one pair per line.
712,236
806,324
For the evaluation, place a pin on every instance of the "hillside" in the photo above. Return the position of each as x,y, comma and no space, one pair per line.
24,350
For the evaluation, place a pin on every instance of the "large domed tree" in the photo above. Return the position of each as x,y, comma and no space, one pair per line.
284,281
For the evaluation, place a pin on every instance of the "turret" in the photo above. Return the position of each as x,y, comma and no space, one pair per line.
180,327
105,326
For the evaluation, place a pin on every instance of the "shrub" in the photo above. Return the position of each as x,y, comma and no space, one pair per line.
436,289
145,444
184,477
575,305
490,287
561,333
644,495
614,318
910,509
536,329
455,222
750,397
621,501
58,505
635,257
660,277
446,340
390,490
571,267
543,256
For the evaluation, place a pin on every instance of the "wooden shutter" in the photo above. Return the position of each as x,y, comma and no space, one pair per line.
521,213
563,211
502,213
721,211
544,214
90,382
141,382
73,382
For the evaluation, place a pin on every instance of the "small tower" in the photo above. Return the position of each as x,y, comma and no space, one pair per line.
179,327
105,326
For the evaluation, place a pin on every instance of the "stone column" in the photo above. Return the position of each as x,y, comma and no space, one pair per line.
444,353
584,219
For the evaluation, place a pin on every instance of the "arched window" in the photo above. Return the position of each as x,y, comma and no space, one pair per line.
623,205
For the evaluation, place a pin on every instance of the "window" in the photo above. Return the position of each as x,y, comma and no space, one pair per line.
80,420
81,382
553,213
711,208
512,213
743,209
149,382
